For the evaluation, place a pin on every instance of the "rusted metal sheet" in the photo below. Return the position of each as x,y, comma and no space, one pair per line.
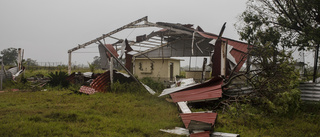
205,91
87,90
113,51
201,134
202,117
128,56
101,82
239,50
216,59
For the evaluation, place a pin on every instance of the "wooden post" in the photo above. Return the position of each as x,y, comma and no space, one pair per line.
315,68
69,63
111,70
203,77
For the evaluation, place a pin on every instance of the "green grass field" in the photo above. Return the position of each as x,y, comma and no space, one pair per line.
128,110
64,113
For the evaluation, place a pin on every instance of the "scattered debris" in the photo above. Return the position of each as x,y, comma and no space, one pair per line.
186,132
87,90
227,56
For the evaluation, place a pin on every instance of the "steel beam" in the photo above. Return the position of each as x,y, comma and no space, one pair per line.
109,34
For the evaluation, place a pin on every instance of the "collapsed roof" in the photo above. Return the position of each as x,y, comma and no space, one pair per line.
170,40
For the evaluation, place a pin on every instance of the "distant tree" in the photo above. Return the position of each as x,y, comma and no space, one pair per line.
96,62
9,56
30,62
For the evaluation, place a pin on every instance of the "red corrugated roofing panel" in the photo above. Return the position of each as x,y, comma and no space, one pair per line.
216,60
239,48
113,51
198,94
101,82
203,117
87,90
201,134
208,90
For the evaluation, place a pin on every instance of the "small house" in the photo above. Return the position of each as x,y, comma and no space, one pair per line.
164,69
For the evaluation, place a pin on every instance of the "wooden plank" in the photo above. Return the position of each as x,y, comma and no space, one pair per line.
184,107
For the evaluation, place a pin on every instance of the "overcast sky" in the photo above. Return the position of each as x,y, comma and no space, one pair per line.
47,29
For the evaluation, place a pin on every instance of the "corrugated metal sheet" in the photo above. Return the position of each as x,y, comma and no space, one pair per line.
310,91
208,90
201,134
87,90
203,117
101,82
239,48
70,78
113,51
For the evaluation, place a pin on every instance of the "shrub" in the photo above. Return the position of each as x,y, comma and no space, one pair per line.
58,79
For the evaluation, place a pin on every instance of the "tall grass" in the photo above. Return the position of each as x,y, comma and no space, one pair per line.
63,113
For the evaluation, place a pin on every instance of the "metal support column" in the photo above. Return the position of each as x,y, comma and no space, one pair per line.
69,63
315,68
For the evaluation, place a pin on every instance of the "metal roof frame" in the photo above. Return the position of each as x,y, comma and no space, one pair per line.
168,35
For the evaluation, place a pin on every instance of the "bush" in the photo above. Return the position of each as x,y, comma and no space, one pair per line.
276,84
58,79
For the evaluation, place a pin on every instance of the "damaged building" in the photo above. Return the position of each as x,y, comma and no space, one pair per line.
150,55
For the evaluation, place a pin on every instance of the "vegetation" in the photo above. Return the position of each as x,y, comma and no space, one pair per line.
9,56
297,21
273,26
250,121
59,78
63,113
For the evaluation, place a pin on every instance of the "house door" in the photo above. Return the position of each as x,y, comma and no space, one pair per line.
171,71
